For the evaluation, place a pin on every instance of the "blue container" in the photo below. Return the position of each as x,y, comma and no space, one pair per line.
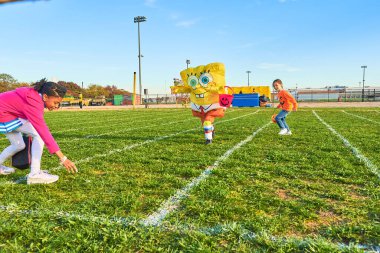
246,100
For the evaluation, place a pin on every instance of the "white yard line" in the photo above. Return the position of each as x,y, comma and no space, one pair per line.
93,136
106,154
88,218
361,117
146,142
116,121
215,230
354,150
103,126
170,205
128,129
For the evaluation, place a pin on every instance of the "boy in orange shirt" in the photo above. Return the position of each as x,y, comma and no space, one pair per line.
287,103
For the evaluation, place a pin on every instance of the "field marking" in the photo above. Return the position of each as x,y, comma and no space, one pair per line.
23,179
106,121
129,129
83,120
147,142
171,204
217,229
361,117
354,150
100,126
93,136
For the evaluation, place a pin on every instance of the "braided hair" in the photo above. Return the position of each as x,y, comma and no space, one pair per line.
50,88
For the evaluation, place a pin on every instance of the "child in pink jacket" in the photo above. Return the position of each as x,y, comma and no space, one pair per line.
22,112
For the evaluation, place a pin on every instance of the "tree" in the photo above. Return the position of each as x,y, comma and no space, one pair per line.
113,90
7,78
6,82
95,90
73,89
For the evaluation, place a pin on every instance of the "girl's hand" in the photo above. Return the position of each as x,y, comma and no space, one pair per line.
69,165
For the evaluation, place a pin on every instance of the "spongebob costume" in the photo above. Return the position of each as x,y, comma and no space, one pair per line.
204,83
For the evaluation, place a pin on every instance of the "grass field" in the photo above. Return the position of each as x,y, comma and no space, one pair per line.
147,183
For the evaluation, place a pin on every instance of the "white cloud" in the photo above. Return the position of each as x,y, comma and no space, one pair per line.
277,67
186,23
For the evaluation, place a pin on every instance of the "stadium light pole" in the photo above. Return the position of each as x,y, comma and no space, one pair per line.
187,64
248,75
138,20
363,67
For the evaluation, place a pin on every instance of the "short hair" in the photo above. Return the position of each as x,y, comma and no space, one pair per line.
277,81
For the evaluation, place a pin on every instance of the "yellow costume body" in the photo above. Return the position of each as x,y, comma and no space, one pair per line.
204,83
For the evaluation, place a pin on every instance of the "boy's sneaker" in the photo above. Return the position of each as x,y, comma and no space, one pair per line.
4,170
43,177
208,141
283,131
288,132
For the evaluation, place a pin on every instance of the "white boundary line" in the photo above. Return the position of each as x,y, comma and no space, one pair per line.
22,179
243,233
147,142
101,125
361,117
94,136
354,150
171,204
130,129
115,120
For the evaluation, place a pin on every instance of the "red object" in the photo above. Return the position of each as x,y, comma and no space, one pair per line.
274,118
225,100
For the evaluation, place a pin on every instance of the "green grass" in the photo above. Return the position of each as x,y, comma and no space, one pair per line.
301,193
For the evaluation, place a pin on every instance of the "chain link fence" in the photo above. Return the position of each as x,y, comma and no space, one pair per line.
335,95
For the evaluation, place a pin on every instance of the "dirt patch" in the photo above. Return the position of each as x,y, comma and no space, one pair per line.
282,194
324,219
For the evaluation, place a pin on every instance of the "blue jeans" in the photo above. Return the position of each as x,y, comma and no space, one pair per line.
280,119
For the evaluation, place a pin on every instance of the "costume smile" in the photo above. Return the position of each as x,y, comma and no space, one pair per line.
202,95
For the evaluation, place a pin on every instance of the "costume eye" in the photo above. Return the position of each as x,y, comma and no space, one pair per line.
205,79
192,81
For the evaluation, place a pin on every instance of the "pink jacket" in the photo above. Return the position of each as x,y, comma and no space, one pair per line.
26,103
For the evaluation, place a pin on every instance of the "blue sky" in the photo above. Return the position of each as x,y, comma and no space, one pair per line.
311,43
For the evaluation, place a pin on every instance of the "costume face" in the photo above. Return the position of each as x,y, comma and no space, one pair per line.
206,82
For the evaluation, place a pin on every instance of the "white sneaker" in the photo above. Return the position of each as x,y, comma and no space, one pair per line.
43,177
4,170
288,132
283,131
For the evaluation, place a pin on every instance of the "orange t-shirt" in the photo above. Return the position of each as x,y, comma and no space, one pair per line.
287,101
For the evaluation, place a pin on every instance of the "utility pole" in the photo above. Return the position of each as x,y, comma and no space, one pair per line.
137,20
363,67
